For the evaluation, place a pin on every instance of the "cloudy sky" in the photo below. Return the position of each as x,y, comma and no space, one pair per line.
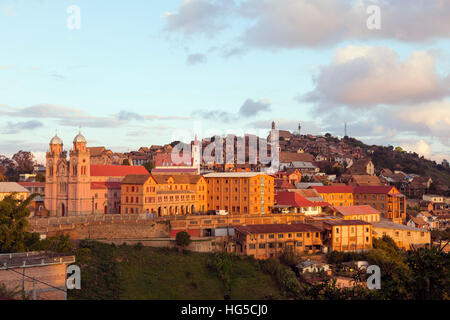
137,72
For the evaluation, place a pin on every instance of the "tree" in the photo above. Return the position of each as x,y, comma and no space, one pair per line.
9,293
430,269
24,161
40,177
13,224
149,166
8,169
183,239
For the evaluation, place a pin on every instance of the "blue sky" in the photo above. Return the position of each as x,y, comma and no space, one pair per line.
138,71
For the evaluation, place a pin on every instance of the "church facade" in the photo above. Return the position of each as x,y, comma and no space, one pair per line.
74,187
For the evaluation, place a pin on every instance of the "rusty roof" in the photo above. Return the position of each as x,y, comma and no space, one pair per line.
356,210
346,222
136,179
276,228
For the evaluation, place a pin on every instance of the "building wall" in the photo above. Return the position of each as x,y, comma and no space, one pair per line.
241,195
55,275
363,217
338,199
351,237
19,196
392,208
264,246
404,238
164,199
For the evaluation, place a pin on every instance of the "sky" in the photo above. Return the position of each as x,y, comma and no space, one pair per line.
139,73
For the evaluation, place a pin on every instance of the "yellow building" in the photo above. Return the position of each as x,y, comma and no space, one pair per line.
268,240
8,188
163,194
347,235
363,213
404,236
240,192
336,195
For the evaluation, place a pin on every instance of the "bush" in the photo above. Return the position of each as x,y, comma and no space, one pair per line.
183,239
284,276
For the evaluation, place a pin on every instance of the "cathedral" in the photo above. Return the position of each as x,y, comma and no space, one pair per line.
74,187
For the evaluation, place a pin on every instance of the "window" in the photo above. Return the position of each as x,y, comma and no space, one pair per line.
271,236
262,245
280,236
307,234
299,244
299,235
251,246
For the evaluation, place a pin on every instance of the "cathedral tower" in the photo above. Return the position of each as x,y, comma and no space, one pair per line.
79,195
56,164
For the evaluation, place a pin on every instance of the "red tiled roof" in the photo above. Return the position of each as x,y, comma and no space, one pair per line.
295,200
354,210
105,185
116,171
276,228
333,189
373,189
174,170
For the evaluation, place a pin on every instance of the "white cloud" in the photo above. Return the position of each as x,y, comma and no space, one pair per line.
196,58
363,76
9,11
299,23
198,16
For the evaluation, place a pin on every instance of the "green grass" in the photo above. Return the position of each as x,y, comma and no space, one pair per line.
145,273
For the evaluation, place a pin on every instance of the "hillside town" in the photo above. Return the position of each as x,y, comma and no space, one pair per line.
324,196
215,157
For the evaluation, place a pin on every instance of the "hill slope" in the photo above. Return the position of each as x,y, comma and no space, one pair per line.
137,272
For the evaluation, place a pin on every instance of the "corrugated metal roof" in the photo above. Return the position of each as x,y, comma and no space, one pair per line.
276,228
373,189
10,187
356,210
233,174
391,225
333,189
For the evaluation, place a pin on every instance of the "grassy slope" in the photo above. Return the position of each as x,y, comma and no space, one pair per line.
152,273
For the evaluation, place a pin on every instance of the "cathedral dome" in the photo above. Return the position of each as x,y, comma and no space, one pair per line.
56,140
79,138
